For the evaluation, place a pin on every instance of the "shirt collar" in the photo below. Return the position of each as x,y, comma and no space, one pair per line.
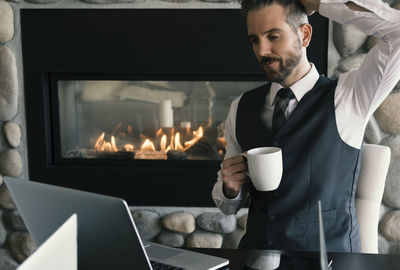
300,88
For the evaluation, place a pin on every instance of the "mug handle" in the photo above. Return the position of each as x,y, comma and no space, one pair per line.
244,154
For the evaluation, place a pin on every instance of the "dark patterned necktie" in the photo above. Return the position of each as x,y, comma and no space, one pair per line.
284,95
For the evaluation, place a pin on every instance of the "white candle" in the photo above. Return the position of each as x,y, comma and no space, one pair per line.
166,114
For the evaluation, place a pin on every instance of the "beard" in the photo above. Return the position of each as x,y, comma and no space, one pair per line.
285,67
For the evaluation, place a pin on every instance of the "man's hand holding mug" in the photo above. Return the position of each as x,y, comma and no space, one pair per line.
263,165
233,175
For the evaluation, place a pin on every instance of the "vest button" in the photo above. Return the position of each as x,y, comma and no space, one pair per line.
270,242
276,144
272,218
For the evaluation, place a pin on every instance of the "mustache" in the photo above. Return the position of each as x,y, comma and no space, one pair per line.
267,59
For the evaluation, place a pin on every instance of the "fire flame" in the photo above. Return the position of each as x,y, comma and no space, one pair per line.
129,147
175,141
166,144
103,145
197,136
163,143
148,145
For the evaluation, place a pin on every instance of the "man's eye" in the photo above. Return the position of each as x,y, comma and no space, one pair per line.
253,41
273,37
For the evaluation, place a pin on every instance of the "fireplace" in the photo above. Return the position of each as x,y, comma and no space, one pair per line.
132,102
144,120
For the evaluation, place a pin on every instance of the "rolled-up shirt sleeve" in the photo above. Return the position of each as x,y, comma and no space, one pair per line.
226,205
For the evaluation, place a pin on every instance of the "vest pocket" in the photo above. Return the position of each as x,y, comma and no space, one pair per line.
327,216
304,231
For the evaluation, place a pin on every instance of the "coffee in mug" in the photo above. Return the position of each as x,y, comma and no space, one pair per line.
265,167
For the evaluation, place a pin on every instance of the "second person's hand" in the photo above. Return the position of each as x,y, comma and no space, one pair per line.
310,6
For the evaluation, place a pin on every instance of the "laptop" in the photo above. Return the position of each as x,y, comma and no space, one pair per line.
59,251
107,235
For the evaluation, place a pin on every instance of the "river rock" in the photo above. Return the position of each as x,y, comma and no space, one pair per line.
201,239
333,60
171,239
351,62
242,221
371,42
217,222
6,201
232,240
1,179
11,163
179,222
383,210
219,1
21,245
8,84
347,38
373,132
394,248
390,226
15,222
148,223
388,114
42,1
176,1
394,143
383,245
3,234
110,1
12,132
6,22
391,194
6,260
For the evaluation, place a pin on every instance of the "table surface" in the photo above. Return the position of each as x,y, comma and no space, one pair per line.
269,259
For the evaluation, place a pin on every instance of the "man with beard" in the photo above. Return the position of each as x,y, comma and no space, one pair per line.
322,129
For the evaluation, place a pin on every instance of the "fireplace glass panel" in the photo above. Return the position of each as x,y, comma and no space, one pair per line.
145,119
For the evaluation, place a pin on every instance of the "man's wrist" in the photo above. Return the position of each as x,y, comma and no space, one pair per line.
229,193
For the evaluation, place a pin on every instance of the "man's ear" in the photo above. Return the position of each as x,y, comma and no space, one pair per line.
306,33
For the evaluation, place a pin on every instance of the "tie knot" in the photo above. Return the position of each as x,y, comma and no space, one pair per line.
285,93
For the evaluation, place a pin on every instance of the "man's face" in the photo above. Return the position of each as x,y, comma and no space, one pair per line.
276,46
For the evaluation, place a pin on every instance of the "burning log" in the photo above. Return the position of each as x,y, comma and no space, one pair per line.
205,148
115,155
91,153
148,154
176,155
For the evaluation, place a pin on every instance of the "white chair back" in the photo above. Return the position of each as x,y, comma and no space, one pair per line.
374,167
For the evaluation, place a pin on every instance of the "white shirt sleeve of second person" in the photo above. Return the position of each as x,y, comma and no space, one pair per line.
229,206
360,91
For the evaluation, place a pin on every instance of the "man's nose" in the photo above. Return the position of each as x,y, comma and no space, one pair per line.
263,48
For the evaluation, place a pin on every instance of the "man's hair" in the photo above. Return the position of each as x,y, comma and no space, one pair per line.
295,13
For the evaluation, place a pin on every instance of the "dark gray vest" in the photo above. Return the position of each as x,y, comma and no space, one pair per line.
317,165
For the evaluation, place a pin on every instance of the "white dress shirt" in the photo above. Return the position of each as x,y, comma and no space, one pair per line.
358,94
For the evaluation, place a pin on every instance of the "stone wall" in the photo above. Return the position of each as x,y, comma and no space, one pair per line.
179,227
190,227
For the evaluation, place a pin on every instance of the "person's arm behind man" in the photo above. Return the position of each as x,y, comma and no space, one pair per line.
360,91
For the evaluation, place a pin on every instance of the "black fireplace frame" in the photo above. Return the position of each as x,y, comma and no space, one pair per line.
133,44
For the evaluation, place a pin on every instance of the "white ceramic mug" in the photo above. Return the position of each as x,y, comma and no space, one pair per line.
265,167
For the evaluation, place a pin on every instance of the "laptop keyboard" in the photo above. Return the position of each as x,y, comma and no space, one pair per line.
162,266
